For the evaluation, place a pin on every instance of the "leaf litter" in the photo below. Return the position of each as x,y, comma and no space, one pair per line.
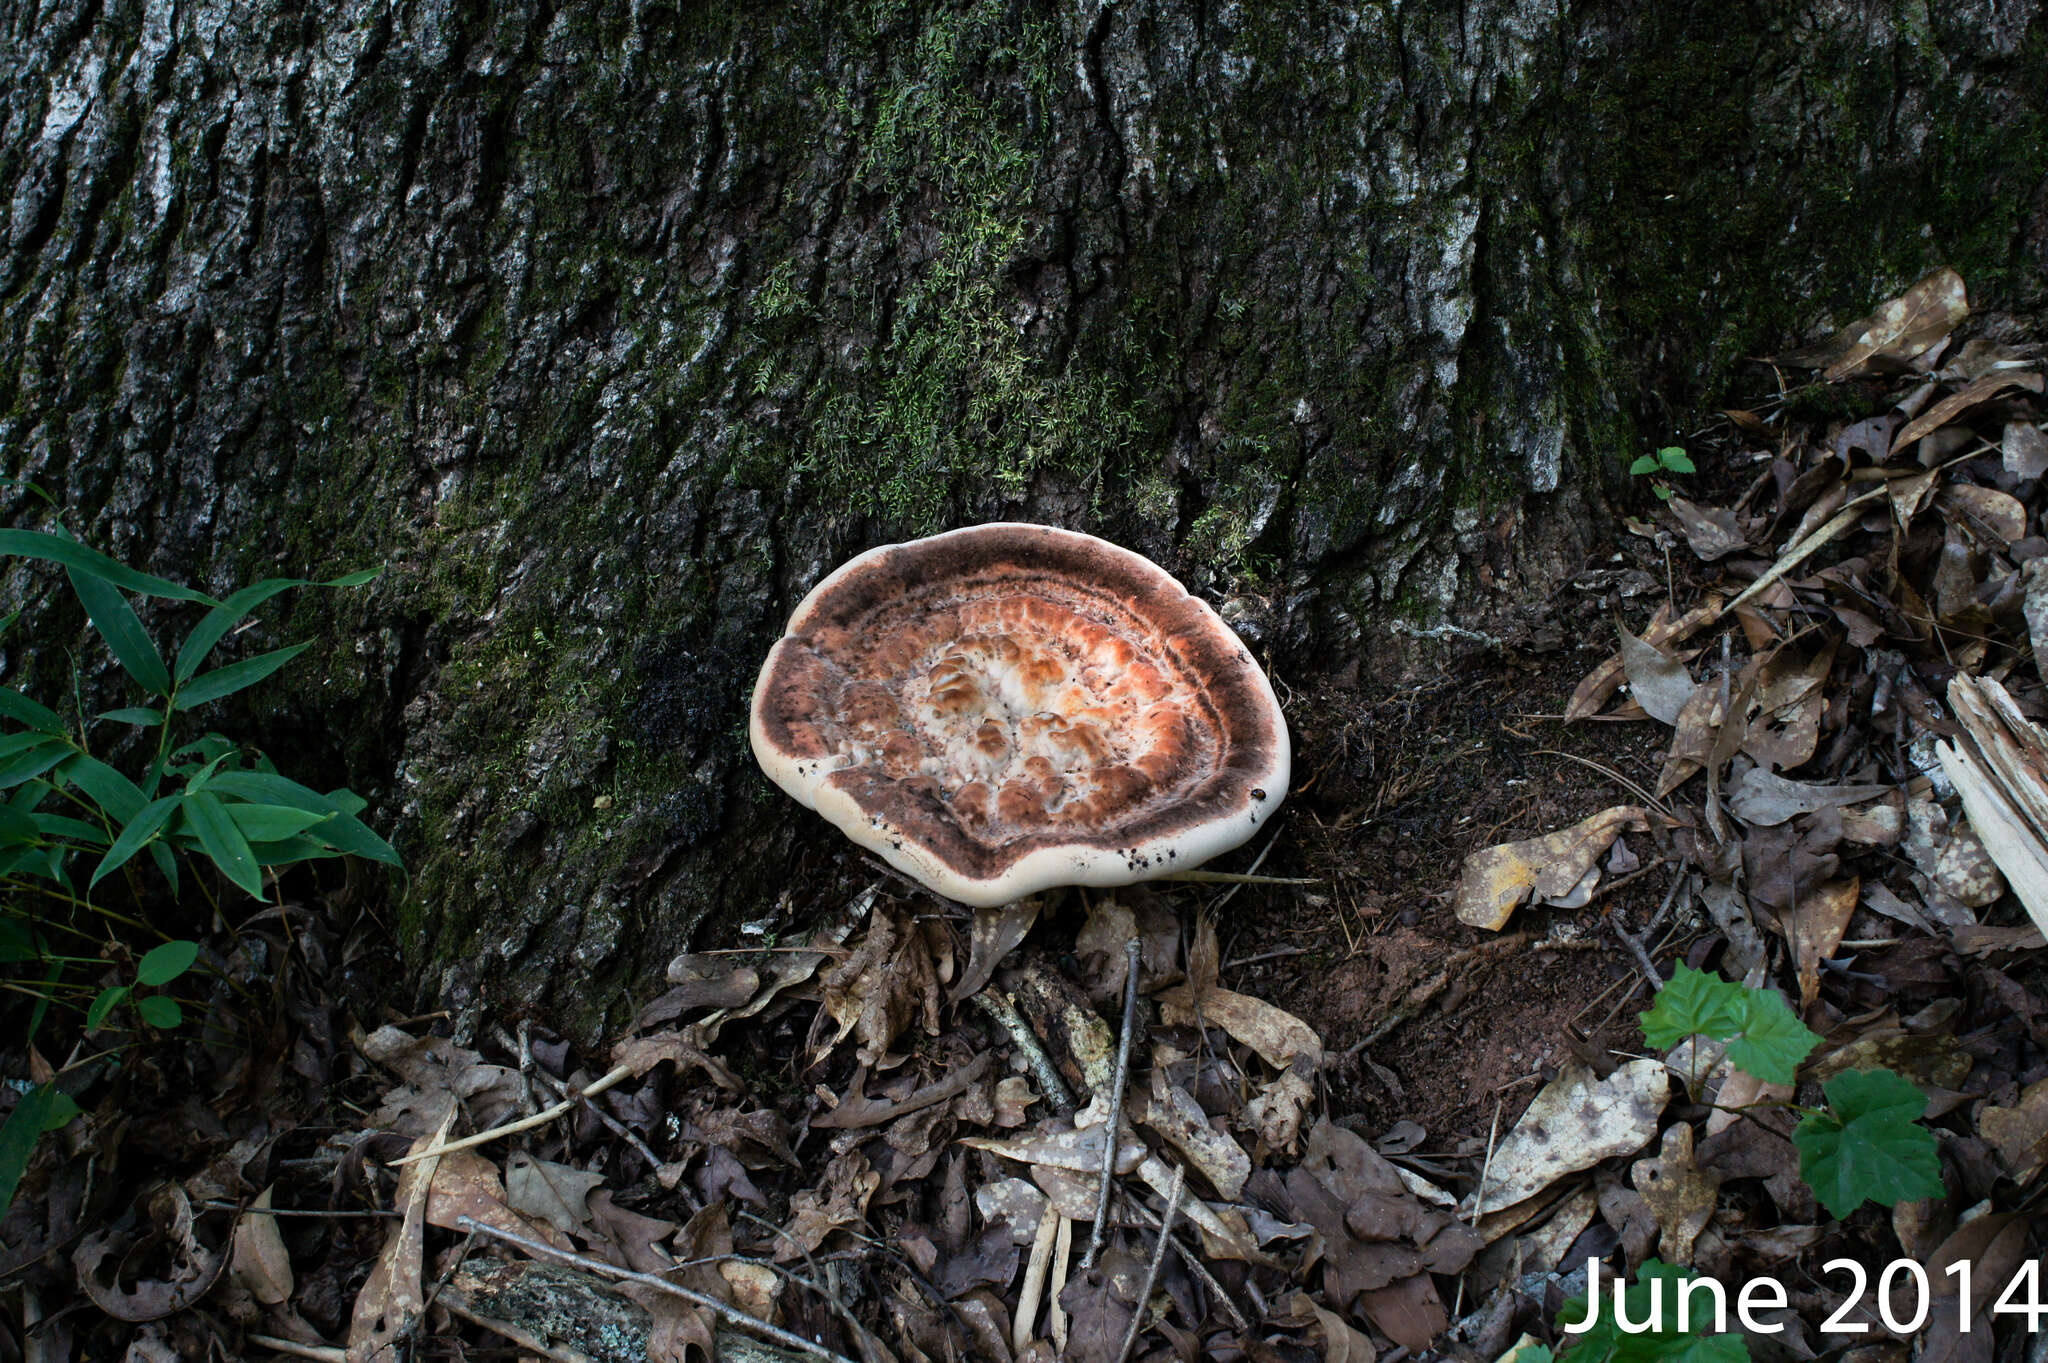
885,1139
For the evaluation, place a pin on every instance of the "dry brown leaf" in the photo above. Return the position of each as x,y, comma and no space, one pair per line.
642,1054
1681,1194
1712,531
839,1200
1760,797
2020,1133
1408,1312
1342,1343
392,1299
877,991
1179,1119
996,934
1955,404
438,1074
856,1109
1079,1151
1657,680
1574,1123
260,1262
467,1184
2025,451
192,1270
1985,509
1696,733
1897,333
550,1192
1276,1114
1277,1035
1496,880
2000,767
1814,927
1601,683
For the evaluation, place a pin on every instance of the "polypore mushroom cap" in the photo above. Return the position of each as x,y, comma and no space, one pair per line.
1008,708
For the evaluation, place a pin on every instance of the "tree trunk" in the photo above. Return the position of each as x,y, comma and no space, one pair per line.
609,332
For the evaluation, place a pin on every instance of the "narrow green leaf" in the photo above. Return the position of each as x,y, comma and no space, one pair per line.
32,762
22,742
345,831
166,963
35,714
1868,1145
132,714
69,829
289,851
15,943
222,841
116,621
273,823
25,1126
78,559
104,786
225,681
222,618
160,1012
17,827
134,834
166,861
109,998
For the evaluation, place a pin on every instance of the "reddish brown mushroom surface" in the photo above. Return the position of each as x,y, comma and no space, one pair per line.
1007,708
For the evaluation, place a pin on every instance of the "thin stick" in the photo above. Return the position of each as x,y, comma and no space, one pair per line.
1034,1277
1634,942
1051,1085
1193,1263
1180,1175
1114,1126
1485,1169
530,1072
567,1105
732,1313
217,1205
326,1353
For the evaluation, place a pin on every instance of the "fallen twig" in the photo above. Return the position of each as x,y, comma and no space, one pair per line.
567,1105
1115,1117
1159,1245
998,1005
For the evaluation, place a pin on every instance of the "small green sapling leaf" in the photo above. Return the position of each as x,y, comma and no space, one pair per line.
1868,1146
166,963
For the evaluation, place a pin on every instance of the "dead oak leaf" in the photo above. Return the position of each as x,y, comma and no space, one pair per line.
1681,1194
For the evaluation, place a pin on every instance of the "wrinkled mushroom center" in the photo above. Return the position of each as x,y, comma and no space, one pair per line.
1021,712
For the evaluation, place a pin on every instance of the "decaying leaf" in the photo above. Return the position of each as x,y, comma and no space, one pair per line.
1277,1035
1814,925
550,1192
1955,404
1574,1123
840,1200
1179,1119
1761,797
997,932
1901,331
1602,681
438,1074
1681,1194
260,1262
2020,1133
1713,532
1657,680
1496,880
192,1271
388,1307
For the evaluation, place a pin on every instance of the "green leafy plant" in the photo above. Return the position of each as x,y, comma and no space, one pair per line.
1764,1036
1867,1144
1669,460
1654,1295
73,823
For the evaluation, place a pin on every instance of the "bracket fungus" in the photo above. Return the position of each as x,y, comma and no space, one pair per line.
1009,708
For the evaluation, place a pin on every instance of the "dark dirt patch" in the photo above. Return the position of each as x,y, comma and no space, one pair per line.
1399,784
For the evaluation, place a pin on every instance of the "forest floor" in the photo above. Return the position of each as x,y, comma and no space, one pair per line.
1663,935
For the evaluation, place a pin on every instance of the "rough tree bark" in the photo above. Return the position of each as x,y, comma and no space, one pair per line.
610,328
